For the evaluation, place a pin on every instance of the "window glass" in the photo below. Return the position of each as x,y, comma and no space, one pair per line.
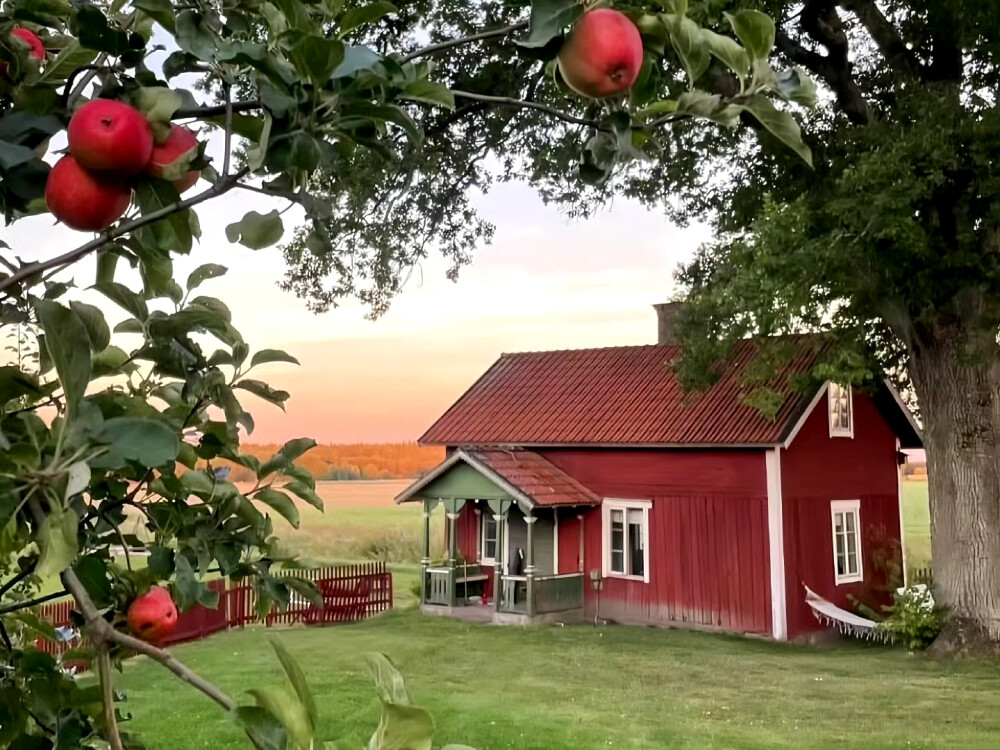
489,538
636,544
617,541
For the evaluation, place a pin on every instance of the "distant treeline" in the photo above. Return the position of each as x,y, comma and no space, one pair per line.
346,462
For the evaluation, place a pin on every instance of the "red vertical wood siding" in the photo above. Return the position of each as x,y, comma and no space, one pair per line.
569,541
817,469
708,557
468,532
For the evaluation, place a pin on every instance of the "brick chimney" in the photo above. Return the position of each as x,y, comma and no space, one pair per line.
666,314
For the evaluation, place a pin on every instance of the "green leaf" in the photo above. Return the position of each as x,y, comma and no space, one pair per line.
795,85
287,709
281,503
66,341
355,17
161,11
93,573
111,361
195,36
72,57
306,493
548,20
158,104
77,478
297,678
389,682
14,383
93,320
264,356
264,391
150,442
306,589
356,57
197,483
174,233
429,92
57,541
204,273
297,447
160,562
403,728
687,41
728,51
755,30
780,124
709,107
264,729
316,57
125,298
256,231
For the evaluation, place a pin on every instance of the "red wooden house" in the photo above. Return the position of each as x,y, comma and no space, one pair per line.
587,483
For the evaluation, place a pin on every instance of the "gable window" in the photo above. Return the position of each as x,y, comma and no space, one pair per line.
846,516
625,535
841,411
489,541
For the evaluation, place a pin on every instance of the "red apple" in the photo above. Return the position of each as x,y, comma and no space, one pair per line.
37,48
80,200
602,54
111,137
153,615
171,158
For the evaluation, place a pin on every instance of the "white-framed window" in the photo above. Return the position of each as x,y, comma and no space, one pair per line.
846,522
841,411
488,541
625,534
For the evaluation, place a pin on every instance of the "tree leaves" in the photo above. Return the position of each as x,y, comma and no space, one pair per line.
728,51
66,340
57,540
255,230
781,124
149,442
315,56
176,232
203,273
297,679
264,356
355,17
281,503
93,320
264,391
690,45
429,92
288,710
755,30
548,20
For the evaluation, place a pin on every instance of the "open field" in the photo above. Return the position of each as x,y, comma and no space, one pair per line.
579,688
917,524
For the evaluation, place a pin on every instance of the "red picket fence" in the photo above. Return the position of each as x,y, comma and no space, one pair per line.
350,593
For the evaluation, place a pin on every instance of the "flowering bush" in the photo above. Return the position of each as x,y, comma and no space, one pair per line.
914,618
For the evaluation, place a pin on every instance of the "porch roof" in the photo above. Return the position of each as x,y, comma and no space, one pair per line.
519,475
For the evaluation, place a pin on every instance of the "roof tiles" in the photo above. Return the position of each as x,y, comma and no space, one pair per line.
535,477
619,396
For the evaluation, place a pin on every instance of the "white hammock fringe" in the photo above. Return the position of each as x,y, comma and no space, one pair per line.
846,623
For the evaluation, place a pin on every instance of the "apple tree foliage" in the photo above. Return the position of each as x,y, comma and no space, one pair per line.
105,434
888,242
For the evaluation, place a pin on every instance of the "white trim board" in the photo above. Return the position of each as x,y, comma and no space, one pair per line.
847,506
776,545
617,503
902,530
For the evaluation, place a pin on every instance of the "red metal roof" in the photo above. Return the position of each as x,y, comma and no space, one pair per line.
535,477
620,396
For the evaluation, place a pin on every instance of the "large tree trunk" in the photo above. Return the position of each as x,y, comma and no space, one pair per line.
956,373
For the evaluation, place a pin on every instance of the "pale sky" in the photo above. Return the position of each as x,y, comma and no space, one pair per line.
544,283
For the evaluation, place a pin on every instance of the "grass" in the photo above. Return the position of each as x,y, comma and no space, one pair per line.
580,687
916,525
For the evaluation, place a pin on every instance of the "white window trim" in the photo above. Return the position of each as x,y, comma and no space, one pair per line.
483,559
847,506
834,430
607,506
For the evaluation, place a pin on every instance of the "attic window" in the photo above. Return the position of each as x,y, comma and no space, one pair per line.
841,411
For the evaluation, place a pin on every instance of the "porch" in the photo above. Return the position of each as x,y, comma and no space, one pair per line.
514,539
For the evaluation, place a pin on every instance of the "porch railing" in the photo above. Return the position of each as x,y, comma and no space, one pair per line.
450,586
548,594
439,586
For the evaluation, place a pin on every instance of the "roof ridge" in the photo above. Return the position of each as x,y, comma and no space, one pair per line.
622,347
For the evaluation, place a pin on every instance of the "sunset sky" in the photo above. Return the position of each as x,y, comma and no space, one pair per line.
544,283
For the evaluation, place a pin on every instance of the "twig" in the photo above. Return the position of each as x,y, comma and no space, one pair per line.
108,697
507,101
33,602
6,638
433,48
72,256
18,578
229,130
216,110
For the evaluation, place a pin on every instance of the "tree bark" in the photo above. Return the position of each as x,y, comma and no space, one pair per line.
956,373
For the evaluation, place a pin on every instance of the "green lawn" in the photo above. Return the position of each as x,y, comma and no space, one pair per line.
577,688
916,525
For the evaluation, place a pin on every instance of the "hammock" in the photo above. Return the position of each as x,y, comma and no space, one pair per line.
847,623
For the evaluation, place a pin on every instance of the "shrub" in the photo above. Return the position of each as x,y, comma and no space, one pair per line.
914,618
